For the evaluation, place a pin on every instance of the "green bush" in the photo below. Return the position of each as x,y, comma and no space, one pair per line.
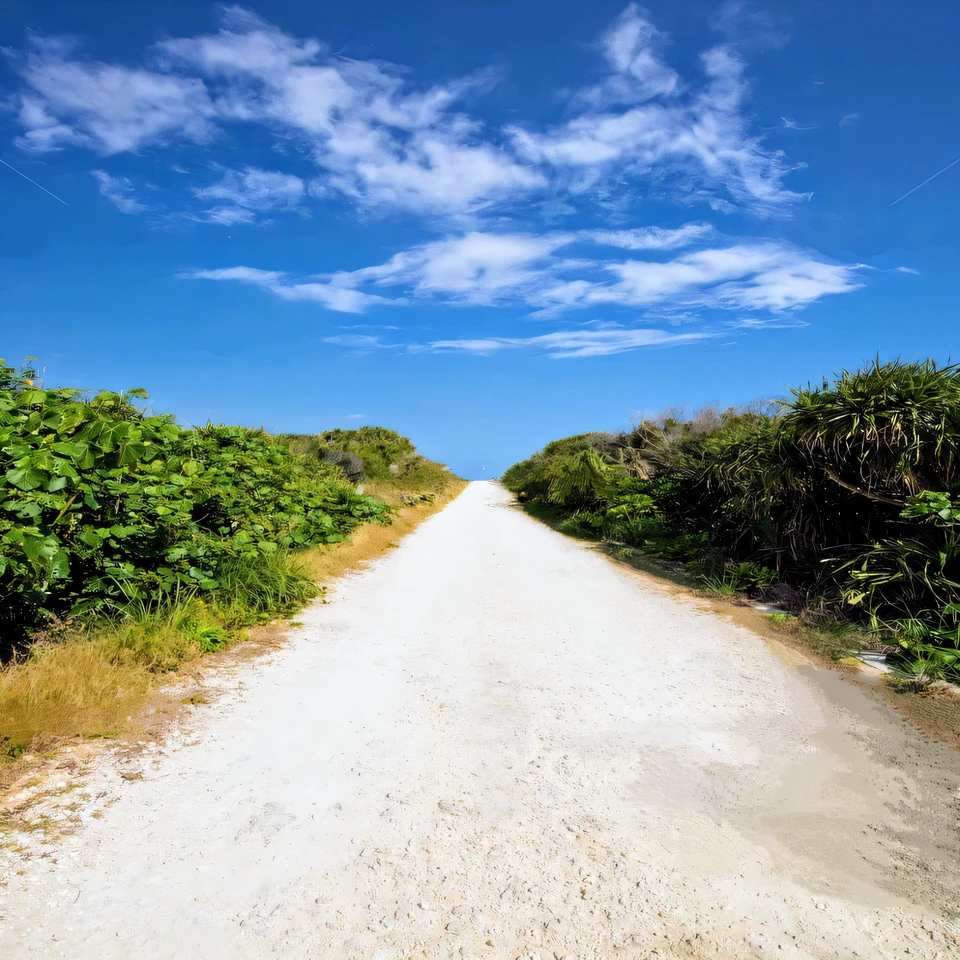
375,454
102,505
584,525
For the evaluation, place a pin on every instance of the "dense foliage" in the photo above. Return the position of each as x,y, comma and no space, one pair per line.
102,505
373,454
848,493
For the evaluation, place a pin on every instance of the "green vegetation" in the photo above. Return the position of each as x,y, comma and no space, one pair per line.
843,499
102,505
373,455
130,545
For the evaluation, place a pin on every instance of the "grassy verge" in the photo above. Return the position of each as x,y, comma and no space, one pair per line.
82,679
94,680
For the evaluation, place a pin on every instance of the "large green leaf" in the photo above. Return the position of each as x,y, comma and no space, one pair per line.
26,478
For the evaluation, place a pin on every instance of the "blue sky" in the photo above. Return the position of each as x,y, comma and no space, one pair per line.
485,224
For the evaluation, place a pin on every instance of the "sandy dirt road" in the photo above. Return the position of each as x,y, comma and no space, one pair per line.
497,744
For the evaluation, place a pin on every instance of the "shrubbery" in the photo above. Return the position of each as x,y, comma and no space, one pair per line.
375,455
849,492
102,505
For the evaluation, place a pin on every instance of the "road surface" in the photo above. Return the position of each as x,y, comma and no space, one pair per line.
496,743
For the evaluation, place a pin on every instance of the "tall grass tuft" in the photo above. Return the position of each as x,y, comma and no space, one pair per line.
254,587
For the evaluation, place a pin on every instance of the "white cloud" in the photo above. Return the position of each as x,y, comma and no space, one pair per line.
791,124
119,191
849,119
378,141
226,216
243,274
254,189
689,145
245,44
337,298
370,132
601,339
524,270
907,270
756,275
358,342
750,26
386,142
768,323
631,47
477,268
571,344
367,326
106,107
649,238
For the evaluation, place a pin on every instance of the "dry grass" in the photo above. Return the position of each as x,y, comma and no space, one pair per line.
85,684
77,689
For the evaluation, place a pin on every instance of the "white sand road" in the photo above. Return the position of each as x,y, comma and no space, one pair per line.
495,743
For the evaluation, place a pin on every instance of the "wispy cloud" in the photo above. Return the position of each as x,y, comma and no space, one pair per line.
377,137
340,299
767,323
535,273
754,275
120,192
474,269
374,135
374,138
599,340
849,119
224,215
632,48
907,270
105,107
242,274
564,345
358,342
367,326
790,124
333,297
750,26
244,193
650,238
691,142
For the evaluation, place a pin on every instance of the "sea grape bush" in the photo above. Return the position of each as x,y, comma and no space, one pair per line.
101,504
849,490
